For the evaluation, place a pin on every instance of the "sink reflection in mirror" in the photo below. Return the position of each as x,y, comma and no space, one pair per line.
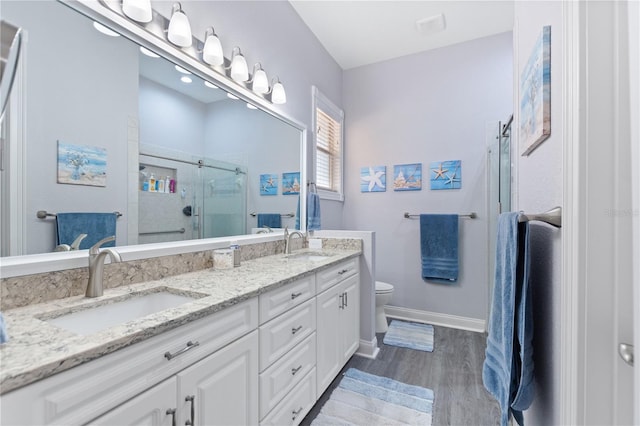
103,92
107,313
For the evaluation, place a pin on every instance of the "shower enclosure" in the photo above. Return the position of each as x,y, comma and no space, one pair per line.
207,198
499,181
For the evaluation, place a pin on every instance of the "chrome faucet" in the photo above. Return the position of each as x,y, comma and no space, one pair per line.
287,239
96,266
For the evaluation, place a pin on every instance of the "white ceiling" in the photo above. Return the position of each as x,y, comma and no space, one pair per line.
362,32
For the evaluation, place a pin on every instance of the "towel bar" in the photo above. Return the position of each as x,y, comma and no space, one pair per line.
471,215
43,214
176,231
552,217
254,214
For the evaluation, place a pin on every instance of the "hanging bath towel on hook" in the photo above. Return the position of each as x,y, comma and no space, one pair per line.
439,247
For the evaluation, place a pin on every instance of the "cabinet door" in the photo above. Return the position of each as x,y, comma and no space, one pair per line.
222,389
350,317
329,353
154,407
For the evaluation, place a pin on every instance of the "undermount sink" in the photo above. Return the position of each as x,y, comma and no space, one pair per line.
101,315
308,257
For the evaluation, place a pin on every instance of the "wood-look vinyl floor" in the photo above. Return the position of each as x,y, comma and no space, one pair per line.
453,370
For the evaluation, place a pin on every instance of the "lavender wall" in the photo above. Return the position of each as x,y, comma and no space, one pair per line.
431,106
539,188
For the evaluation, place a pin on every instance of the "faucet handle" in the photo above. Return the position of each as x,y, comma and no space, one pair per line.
286,232
75,245
94,248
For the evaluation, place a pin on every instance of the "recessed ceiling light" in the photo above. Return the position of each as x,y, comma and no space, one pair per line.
185,79
182,70
210,85
104,30
251,106
148,52
431,25
230,96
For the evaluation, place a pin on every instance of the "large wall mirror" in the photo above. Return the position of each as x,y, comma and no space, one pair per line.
85,98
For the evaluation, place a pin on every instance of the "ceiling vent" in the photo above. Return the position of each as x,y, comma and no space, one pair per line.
431,25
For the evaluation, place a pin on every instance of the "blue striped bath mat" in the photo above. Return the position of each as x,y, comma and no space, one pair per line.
410,335
365,399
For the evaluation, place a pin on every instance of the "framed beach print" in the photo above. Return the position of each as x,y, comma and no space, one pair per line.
373,179
268,184
82,165
407,177
535,95
291,183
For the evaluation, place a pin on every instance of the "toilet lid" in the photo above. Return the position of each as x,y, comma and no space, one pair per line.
382,287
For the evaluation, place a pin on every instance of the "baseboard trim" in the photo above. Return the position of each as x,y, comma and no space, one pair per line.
445,320
368,349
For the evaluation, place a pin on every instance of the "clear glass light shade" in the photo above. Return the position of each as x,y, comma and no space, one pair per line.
212,51
138,10
179,32
239,69
260,82
278,95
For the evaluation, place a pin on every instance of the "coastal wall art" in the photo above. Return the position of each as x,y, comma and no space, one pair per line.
291,183
373,179
407,177
446,174
82,165
268,184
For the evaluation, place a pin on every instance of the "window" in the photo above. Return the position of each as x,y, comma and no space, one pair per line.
328,135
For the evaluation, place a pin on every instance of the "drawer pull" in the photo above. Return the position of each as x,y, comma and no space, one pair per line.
192,400
190,345
295,370
294,295
346,299
344,271
341,301
172,412
295,330
295,413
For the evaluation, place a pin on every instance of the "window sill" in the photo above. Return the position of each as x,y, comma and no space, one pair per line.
330,195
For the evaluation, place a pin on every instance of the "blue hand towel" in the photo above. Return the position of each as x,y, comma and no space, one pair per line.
272,220
439,247
3,330
313,212
507,371
96,225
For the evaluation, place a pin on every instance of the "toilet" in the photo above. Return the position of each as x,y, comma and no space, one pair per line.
384,291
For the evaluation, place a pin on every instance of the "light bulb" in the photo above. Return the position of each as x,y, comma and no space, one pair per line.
179,32
212,51
138,10
239,69
278,95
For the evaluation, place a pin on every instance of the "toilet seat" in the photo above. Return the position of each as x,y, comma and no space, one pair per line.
383,288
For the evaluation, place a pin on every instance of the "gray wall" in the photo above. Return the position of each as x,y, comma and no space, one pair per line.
77,93
435,111
539,188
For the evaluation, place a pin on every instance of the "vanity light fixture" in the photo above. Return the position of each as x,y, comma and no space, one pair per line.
239,69
185,79
148,52
210,85
138,10
278,95
179,32
212,50
181,70
104,30
259,81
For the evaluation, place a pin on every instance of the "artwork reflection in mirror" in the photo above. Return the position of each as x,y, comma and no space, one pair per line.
153,118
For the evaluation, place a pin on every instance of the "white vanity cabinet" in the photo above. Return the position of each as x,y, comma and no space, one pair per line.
338,328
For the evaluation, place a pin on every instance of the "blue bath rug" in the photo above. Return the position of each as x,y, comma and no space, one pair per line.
410,335
363,398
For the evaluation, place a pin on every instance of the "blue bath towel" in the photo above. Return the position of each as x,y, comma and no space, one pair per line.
313,212
439,247
507,372
3,330
96,225
272,220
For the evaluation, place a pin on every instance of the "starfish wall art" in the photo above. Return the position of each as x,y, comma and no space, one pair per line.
373,179
268,184
446,174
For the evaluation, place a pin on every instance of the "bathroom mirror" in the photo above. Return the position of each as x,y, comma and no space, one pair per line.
139,117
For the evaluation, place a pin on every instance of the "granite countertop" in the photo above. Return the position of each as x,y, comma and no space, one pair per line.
37,349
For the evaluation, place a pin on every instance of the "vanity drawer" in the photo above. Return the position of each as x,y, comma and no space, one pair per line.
285,373
280,300
295,405
281,334
329,277
82,393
